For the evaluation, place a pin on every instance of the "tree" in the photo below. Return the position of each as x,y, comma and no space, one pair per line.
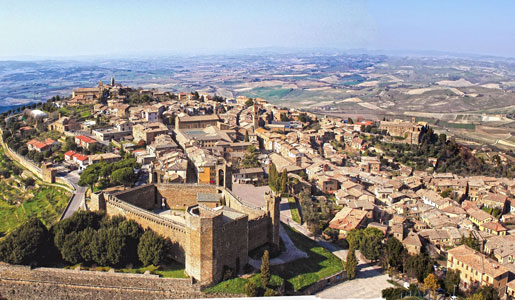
25,244
452,280
151,248
476,296
488,292
419,266
371,247
284,181
249,102
250,289
124,176
351,263
430,284
246,138
394,253
265,268
270,293
251,160
354,238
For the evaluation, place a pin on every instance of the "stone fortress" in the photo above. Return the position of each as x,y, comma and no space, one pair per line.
211,229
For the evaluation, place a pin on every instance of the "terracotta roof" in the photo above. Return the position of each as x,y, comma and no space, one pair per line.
494,226
86,139
478,261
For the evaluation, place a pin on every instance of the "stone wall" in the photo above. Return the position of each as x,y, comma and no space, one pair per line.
174,231
258,229
20,282
143,196
234,202
182,196
323,283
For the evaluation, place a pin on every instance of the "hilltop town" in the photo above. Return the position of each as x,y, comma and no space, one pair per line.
230,185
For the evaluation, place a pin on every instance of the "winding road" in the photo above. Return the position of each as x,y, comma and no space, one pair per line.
78,200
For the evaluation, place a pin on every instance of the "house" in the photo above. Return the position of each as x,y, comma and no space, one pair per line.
493,228
249,175
107,157
41,146
412,243
85,141
76,158
495,200
348,219
478,216
477,269
64,124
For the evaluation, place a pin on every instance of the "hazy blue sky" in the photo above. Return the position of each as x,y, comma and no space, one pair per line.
69,28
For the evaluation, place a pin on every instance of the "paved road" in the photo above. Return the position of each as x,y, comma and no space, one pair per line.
370,280
78,200
368,284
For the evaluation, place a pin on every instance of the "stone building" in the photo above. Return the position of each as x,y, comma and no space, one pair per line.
409,130
207,237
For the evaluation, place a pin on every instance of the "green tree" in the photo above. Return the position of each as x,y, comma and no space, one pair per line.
419,266
250,289
284,181
371,247
265,268
251,158
25,244
124,176
351,263
394,253
270,293
151,248
246,138
249,102
452,280
488,292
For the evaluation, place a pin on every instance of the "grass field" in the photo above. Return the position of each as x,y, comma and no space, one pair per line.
300,273
173,270
18,204
293,209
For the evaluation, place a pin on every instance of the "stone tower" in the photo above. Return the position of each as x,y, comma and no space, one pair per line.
255,115
272,204
48,173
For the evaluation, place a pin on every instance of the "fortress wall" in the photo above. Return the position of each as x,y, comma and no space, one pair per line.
234,202
257,232
20,282
231,246
143,196
174,231
182,196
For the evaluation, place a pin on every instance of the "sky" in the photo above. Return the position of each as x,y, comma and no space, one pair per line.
35,28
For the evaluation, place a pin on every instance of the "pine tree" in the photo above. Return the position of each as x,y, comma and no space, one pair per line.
351,263
284,181
265,268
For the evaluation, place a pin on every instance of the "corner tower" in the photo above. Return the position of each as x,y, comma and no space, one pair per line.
272,205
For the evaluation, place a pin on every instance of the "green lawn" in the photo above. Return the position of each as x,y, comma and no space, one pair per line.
303,272
299,273
236,285
293,209
18,204
172,270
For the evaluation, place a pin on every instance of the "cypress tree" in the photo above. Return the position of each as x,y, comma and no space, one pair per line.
265,268
351,263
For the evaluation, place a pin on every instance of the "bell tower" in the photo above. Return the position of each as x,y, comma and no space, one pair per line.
255,115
